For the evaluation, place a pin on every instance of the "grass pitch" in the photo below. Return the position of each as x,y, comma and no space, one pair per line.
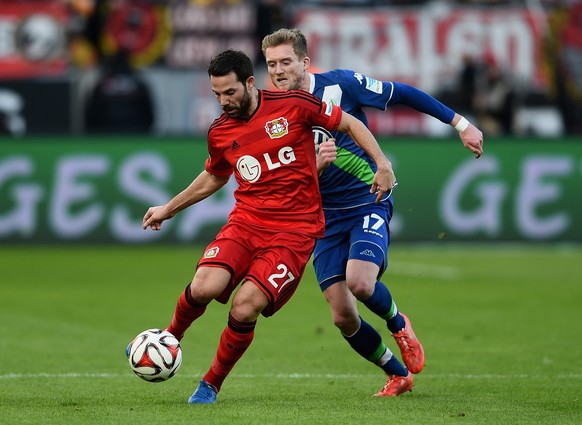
501,328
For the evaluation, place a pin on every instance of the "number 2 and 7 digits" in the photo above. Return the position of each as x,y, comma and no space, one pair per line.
288,276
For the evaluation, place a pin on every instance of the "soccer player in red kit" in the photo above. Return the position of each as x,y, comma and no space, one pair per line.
265,139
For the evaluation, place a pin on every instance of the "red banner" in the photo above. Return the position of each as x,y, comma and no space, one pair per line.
424,47
32,39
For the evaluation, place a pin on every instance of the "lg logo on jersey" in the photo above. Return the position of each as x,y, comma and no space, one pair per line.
250,167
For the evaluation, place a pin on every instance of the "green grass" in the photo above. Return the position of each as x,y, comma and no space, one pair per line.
501,327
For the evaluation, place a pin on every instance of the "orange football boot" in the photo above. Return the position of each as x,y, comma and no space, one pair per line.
410,347
396,385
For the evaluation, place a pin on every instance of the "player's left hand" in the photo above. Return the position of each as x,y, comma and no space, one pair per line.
472,139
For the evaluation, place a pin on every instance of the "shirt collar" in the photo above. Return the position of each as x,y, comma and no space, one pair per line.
311,82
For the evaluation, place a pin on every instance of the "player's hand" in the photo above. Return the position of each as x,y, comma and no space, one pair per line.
326,155
472,139
154,217
384,181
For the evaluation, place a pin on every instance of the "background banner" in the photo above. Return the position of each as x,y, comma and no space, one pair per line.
32,38
97,191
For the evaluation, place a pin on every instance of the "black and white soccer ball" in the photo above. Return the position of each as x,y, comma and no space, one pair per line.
155,355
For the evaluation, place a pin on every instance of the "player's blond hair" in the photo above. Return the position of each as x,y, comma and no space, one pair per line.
287,36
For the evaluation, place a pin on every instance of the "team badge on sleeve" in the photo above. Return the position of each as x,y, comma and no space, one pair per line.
277,128
211,252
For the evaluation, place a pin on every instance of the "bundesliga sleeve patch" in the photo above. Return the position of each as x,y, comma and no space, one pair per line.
374,85
328,109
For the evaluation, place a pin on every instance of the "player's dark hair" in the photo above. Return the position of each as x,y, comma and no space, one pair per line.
231,61
287,36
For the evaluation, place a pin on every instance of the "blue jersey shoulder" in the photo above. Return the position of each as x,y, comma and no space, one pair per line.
352,90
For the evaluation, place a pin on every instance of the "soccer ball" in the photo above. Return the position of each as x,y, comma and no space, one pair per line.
155,355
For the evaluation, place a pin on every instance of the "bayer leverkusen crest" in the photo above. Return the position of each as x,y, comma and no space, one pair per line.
212,252
277,128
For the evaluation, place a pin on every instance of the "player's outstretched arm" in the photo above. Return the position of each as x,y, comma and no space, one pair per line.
415,98
202,187
470,135
384,178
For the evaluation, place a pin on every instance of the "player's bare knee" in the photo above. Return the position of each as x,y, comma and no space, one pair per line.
246,311
361,288
208,284
248,302
200,292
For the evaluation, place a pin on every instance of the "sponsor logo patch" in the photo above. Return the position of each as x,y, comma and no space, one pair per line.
249,168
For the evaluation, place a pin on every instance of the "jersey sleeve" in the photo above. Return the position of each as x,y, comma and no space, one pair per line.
216,164
333,113
320,113
378,94
414,98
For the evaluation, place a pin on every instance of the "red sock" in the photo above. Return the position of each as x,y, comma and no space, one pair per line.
234,341
187,310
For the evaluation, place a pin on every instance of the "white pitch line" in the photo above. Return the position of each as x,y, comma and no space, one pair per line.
8,376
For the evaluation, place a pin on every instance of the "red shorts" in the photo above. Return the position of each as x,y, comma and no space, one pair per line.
273,260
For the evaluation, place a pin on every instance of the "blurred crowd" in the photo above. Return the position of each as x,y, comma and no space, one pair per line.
115,41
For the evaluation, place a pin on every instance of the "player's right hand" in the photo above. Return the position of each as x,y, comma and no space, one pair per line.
326,155
472,139
154,217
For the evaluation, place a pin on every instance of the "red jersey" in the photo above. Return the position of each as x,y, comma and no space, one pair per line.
273,158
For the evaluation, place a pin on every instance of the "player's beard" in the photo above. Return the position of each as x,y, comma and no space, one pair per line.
292,83
243,109
296,83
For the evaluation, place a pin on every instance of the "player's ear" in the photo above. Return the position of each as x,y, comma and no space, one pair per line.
306,62
250,83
